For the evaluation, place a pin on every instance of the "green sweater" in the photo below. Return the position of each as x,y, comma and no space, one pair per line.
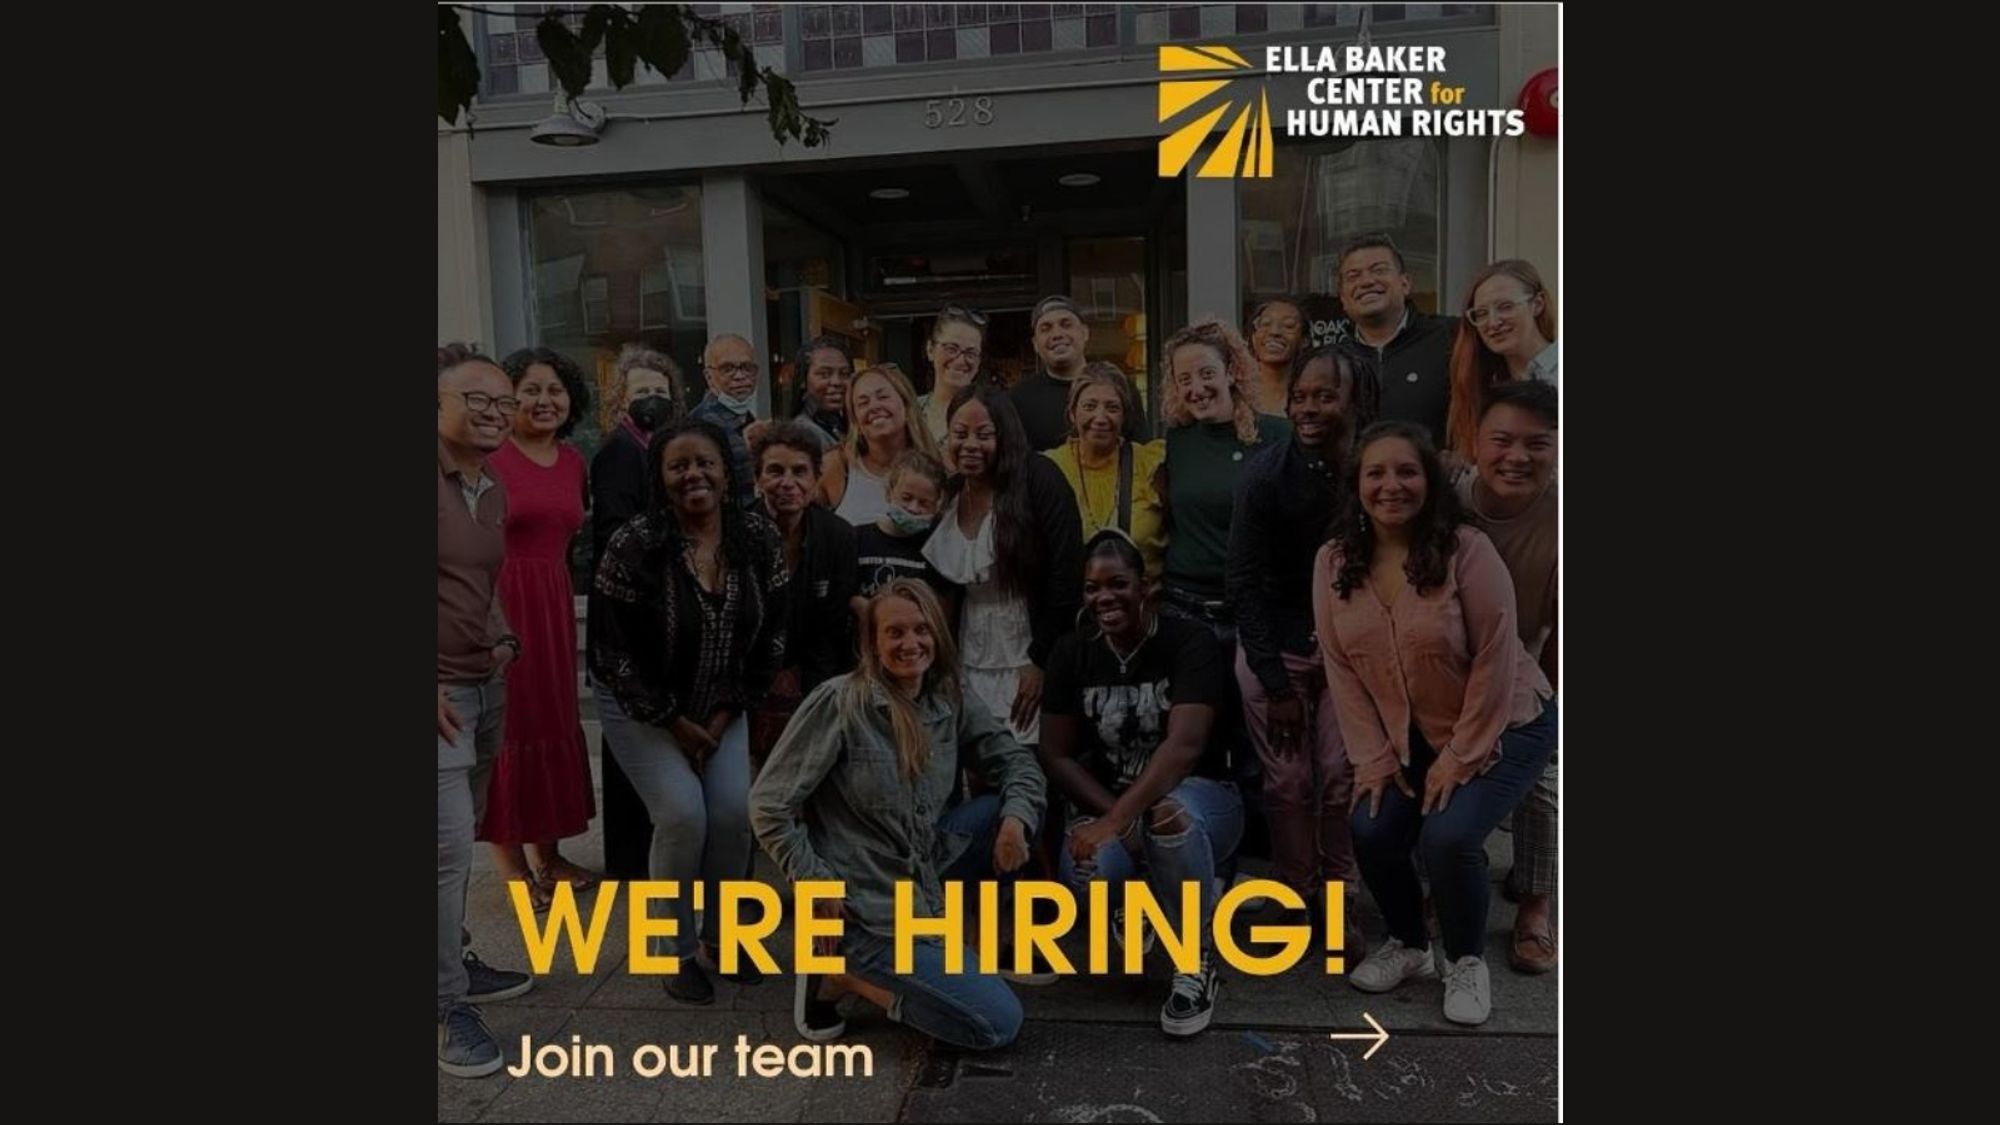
1203,462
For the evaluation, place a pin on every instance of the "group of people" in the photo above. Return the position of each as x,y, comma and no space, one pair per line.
992,631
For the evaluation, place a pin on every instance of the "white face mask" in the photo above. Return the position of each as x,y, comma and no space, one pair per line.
735,405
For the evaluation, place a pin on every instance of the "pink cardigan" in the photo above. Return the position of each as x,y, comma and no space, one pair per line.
1451,659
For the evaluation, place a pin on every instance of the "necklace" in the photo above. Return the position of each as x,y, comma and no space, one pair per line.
1125,659
1083,487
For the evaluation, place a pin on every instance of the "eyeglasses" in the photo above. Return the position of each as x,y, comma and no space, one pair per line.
480,402
953,351
1504,308
749,368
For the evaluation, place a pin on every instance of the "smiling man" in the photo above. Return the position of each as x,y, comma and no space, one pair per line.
1413,349
729,364
1042,398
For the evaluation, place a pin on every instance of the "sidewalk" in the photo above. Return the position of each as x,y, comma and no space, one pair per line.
1090,1050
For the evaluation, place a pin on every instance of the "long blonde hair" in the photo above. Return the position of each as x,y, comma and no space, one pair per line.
913,743
916,435
1227,343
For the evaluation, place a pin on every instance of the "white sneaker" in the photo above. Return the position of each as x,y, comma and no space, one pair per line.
1389,965
1468,991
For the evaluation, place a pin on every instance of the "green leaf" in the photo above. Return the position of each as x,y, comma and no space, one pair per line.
746,73
621,48
663,38
458,67
569,60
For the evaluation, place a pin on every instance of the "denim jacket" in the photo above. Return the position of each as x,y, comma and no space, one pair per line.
832,803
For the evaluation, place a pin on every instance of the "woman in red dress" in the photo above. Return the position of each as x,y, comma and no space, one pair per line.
541,788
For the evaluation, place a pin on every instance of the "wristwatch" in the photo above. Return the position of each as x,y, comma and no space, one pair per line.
511,641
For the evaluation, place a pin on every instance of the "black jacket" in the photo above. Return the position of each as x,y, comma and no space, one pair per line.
620,488
1416,370
1285,500
819,626
1055,590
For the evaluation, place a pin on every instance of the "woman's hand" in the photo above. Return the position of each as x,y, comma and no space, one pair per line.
1010,851
718,723
1085,842
1444,777
695,741
1287,724
1373,791
1027,697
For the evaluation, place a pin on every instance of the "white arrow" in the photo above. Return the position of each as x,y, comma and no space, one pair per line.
1378,1035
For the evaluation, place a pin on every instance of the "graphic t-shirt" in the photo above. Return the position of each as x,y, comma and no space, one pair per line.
1123,710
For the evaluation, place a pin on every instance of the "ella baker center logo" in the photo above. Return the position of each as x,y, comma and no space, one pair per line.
1247,145
1364,91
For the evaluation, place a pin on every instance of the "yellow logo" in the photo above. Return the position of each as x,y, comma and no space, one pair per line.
1245,150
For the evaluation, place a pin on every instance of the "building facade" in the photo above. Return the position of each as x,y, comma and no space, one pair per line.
982,155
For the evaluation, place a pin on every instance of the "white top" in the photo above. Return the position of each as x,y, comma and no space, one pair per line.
866,498
994,631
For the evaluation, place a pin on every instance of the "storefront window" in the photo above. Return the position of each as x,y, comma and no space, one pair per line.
610,268
1107,280
1295,223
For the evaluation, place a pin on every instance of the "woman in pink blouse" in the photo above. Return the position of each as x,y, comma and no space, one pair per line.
1446,719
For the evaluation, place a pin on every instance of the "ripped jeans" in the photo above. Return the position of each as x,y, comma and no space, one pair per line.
1210,813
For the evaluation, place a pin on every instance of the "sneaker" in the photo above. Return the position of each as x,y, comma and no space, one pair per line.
818,1020
466,1049
691,985
746,972
489,983
1191,1004
1147,940
1468,991
1390,965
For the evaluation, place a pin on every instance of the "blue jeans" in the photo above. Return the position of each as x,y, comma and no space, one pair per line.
463,769
975,1009
1453,842
701,821
1214,811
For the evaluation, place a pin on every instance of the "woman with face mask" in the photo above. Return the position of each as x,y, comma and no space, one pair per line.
540,790
696,602
647,397
957,344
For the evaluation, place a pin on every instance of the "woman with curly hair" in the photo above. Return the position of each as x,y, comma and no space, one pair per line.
1213,429
692,634
1416,621
1507,332
541,791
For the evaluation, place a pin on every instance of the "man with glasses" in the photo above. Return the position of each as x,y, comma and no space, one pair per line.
476,408
729,364
1042,398
1412,349
825,369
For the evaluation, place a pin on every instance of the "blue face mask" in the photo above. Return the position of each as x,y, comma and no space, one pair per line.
907,523
735,405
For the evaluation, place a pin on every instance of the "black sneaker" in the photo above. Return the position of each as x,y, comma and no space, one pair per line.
489,983
466,1049
691,985
747,970
1191,1004
1039,969
818,1020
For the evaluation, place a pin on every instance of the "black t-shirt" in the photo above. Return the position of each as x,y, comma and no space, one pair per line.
880,557
1124,713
